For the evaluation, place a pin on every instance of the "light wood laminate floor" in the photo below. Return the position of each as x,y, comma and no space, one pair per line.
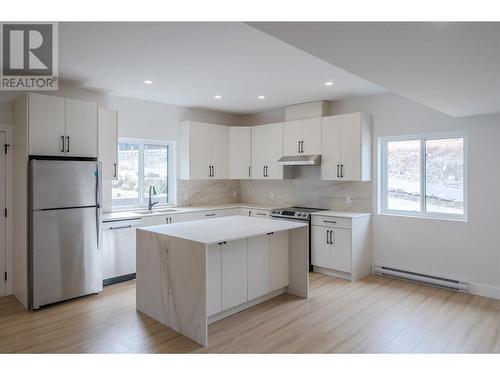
374,315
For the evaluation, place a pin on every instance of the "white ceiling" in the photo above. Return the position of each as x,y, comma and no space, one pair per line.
189,63
451,67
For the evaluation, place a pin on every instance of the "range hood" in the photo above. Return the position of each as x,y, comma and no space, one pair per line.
300,160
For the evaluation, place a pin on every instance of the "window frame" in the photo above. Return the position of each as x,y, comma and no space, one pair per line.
171,173
383,175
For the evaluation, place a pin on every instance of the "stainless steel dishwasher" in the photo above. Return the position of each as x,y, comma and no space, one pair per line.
118,250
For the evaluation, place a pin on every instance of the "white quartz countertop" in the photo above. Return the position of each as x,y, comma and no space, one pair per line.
344,214
222,229
129,215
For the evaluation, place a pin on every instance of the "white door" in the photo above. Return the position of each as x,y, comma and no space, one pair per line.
340,256
273,150
81,128
320,247
219,151
279,264
214,279
240,152
199,151
234,273
46,125
331,148
291,138
108,143
351,147
258,266
3,205
310,135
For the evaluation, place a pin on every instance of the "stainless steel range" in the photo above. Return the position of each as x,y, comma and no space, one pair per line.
297,213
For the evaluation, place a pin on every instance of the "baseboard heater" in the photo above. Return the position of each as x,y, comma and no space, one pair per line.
422,278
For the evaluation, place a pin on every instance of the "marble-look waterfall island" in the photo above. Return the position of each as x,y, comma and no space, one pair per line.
194,273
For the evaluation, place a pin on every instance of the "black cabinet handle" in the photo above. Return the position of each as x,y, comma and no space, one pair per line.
260,214
331,237
114,164
210,214
327,232
67,146
62,143
342,170
298,147
329,221
122,227
338,174
264,171
302,147
249,171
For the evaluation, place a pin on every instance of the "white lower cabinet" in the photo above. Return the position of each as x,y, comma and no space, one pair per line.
278,260
166,219
214,279
258,266
234,273
243,270
342,245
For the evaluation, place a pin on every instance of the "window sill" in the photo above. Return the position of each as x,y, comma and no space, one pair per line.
425,217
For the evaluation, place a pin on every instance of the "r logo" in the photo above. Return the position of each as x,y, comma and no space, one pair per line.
29,56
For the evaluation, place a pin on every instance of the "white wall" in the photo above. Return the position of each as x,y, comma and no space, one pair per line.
468,251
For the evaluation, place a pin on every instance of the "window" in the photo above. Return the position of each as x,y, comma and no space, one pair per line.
142,164
424,175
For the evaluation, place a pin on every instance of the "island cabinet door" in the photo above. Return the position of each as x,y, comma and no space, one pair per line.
278,260
234,273
214,279
258,266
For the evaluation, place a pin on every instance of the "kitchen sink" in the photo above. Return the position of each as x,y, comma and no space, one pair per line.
155,212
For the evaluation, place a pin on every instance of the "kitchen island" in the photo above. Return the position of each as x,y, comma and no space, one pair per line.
193,273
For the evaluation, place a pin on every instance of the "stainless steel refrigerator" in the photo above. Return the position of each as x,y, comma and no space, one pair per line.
65,229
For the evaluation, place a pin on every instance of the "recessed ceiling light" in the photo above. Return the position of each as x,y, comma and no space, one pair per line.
328,83
261,97
148,82
217,97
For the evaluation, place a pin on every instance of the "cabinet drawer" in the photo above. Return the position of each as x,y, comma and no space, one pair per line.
260,213
329,221
209,214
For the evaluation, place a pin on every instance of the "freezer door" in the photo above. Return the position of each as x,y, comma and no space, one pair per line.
63,183
65,259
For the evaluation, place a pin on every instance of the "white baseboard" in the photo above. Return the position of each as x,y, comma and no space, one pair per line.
484,290
333,273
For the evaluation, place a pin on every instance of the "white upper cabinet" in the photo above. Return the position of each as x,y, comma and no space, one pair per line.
346,147
267,147
81,128
62,127
219,151
47,129
203,151
302,137
240,152
108,143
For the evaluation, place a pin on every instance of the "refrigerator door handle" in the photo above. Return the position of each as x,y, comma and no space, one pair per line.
98,204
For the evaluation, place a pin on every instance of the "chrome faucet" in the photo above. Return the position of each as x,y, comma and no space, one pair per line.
150,203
